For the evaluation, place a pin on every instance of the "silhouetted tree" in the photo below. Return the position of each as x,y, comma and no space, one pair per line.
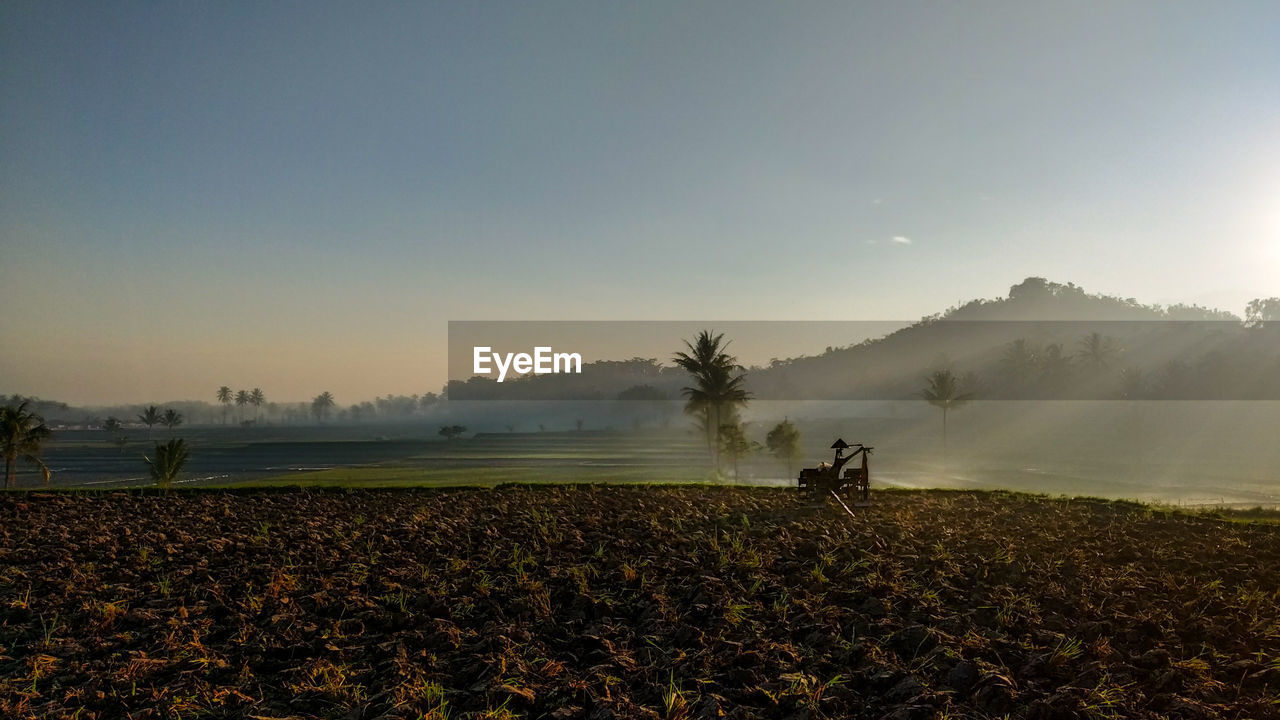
944,392
256,398
22,437
321,405
784,442
172,419
719,386
1055,367
242,399
734,444
112,425
224,397
1260,311
451,432
1097,350
1019,360
170,458
149,417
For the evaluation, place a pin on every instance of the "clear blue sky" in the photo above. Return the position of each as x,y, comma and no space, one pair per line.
298,196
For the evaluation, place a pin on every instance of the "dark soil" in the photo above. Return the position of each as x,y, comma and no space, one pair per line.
623,602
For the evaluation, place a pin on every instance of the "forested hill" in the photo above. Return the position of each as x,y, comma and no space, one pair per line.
1051,341
1044,340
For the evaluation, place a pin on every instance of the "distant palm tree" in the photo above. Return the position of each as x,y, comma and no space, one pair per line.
256,398
150,417
169,460
719,387
224,397
172,419
943,392
321,405
242,399
1019,359
22,437
1097,350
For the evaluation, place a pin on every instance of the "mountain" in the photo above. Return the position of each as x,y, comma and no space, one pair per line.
1044,340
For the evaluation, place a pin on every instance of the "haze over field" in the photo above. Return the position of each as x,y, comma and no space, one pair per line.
300,196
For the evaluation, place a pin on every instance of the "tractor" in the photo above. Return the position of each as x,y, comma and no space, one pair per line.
828,480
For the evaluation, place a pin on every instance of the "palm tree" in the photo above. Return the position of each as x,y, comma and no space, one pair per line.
321,404
1019,359
719,391
944,392
1097,350
22,436
256,398
784,442
169,460
224,397
1055,368
172,419
150,417
242,399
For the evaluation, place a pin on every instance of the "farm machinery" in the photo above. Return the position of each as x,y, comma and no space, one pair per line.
834,479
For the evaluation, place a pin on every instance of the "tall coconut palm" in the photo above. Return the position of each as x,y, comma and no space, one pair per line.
1097,350
943,392
719,386
169,460
22,437
151,416
224,397
172,419
242,399
256,398
321,405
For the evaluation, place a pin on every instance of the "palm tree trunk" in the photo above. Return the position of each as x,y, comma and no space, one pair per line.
9,478
944,428
715,435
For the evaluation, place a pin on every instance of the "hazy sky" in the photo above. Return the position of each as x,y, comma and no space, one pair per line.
298,196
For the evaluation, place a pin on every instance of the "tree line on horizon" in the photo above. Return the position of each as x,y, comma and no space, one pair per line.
1225,357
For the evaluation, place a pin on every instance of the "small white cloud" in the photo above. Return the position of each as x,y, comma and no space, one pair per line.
901,240
877,201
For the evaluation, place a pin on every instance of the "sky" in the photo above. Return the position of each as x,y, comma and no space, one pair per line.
299,196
